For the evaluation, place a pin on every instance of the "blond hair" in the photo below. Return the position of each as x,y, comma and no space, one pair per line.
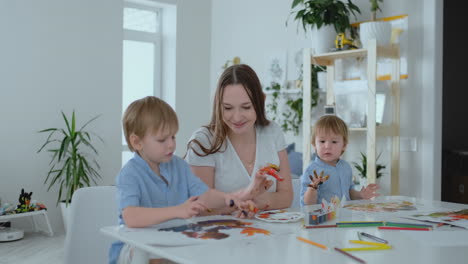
148,114
330,124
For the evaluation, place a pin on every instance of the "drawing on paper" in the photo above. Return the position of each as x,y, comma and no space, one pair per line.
381,207
458,218
212,229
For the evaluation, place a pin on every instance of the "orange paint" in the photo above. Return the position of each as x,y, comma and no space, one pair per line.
250,231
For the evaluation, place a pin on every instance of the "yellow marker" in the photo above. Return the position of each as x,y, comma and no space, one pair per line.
367,248
368,243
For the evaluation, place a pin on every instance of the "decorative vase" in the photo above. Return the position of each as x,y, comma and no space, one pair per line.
381,31
323,39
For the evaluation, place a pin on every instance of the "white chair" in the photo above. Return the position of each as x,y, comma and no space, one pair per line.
296,183
91,209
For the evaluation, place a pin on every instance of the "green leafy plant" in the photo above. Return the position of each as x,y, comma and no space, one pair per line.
70,166
324,12
374,8
292,119
362,167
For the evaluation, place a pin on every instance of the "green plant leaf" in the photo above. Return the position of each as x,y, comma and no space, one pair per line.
69,169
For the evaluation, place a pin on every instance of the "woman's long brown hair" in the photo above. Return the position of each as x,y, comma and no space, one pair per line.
237,74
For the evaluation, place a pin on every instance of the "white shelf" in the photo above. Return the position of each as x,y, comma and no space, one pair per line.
33,214
372,130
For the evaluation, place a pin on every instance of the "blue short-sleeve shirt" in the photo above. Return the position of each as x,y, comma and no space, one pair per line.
339,184
137,185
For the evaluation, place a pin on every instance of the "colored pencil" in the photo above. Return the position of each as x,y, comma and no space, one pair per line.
367,248
407,225
381,240
358,225
360,222
404,228
312,243
368,243
351,256
320,226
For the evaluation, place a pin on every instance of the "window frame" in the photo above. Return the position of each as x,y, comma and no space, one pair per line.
148,37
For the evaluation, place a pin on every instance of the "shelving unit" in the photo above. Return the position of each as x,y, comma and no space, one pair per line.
372,131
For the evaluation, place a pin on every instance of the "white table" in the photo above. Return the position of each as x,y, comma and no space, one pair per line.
444,245
32,215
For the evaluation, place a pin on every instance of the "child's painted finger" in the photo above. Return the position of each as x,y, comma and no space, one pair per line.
315,174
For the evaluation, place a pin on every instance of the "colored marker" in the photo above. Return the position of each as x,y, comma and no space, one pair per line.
367,248
320,226
404,228
368,243
407,225
351,256
381,240
312,243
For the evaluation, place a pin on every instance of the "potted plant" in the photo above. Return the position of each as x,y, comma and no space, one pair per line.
291,118
362,167
330,14
73,164
381,31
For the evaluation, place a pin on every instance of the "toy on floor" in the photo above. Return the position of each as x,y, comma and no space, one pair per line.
24,205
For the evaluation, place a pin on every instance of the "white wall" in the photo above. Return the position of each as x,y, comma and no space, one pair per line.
63,55
250,30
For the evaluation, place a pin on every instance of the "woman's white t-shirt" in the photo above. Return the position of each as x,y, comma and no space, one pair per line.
230,173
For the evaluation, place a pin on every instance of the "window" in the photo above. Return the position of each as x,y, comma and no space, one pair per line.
141,58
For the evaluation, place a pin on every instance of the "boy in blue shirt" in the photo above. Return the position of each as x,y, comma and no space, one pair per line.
156,186
330,138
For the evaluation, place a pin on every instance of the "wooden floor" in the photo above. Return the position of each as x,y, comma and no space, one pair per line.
33,248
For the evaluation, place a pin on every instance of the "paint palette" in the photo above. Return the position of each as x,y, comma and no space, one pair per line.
279,216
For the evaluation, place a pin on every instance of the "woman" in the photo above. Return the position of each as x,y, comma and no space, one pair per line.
227,153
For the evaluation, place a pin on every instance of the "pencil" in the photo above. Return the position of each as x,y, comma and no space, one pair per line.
381,240
367,248
359,225
360,222
404,228
407,225
368,243
351,256
312,243
320,226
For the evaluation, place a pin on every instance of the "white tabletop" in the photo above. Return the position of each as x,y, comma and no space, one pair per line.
442,245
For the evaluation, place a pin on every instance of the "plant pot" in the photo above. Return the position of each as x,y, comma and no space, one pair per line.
381,31
65,214
323,39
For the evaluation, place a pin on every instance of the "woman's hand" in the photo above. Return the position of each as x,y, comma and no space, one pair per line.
247,209
259,185
370,191
191,207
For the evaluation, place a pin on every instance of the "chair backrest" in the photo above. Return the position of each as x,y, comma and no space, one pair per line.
296,183
91,209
